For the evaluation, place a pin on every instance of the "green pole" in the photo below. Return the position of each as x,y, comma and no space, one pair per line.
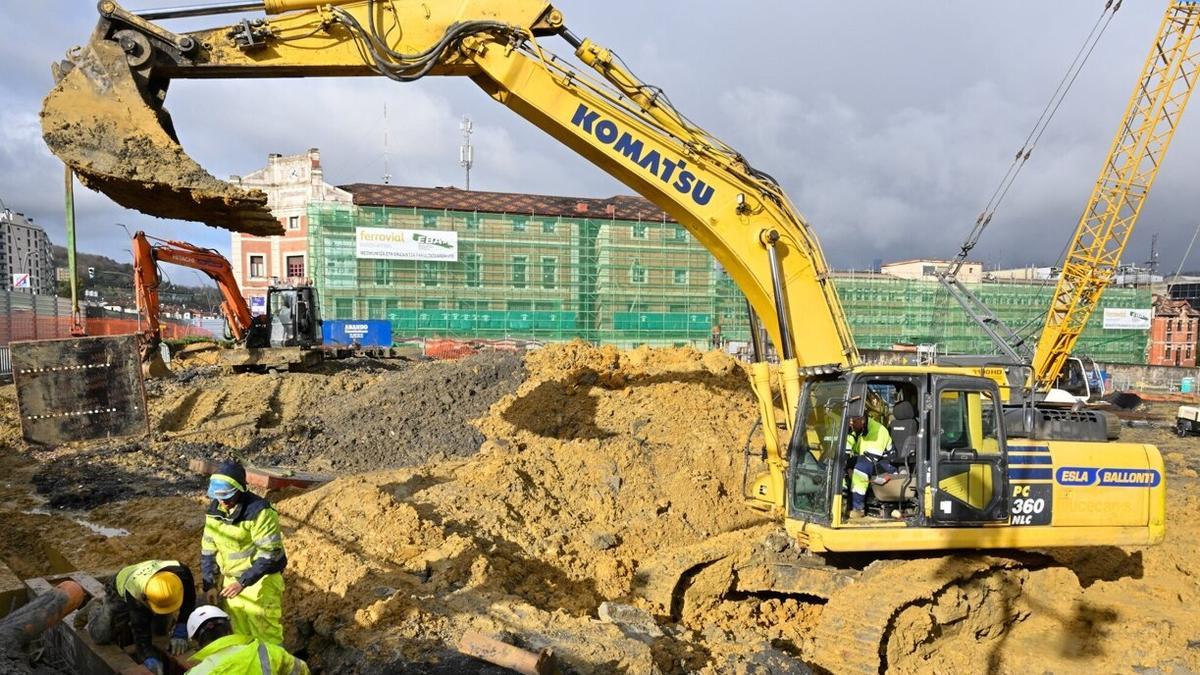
69,195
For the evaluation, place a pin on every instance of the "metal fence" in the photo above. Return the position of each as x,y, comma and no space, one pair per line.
33,317
5,363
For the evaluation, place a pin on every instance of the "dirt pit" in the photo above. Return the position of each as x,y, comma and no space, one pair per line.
589,463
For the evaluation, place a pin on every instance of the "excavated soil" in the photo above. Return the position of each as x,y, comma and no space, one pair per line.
121,147
598,461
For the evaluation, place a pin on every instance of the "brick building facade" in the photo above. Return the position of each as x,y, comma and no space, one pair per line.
291,183
1173,333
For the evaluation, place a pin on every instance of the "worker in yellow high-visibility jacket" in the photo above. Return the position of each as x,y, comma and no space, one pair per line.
868,442
242,557
144,598
228,653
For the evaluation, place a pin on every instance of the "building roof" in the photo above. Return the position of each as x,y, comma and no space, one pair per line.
620,207
927,261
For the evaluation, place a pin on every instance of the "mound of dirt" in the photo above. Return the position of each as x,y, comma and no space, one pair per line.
408,417
344,418
598,461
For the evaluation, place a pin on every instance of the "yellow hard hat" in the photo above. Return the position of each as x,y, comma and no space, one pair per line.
164,593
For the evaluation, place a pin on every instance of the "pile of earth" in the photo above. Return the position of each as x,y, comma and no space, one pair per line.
343,418
599,461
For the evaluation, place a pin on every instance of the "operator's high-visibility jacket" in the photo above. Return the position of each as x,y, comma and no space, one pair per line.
244,544
127,593
875,440
243,655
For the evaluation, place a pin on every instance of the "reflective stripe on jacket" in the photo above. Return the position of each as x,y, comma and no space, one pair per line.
875,440
243,655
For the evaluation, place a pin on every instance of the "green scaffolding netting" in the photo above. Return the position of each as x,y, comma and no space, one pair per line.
628,283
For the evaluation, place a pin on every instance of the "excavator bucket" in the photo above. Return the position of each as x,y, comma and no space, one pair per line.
97,121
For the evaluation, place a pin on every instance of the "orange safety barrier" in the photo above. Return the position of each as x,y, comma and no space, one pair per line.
26,325
114,326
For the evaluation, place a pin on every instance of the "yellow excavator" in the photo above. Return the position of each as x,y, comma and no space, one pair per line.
968,472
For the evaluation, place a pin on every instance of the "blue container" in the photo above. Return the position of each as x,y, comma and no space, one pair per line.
1187,385
362,332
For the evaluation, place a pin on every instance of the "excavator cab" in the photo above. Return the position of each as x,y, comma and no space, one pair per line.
293,319
947,465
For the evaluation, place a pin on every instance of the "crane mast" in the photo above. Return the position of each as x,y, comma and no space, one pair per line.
1145,133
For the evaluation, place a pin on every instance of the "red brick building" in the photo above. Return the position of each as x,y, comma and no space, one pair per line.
1173,333
290,183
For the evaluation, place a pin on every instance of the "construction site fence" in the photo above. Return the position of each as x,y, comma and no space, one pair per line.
123,326
33,317
629,283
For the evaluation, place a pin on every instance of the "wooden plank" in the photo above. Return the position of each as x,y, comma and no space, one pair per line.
79,389
13,593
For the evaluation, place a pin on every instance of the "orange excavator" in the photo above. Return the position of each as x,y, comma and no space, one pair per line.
292,319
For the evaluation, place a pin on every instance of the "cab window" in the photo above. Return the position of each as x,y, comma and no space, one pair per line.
969,420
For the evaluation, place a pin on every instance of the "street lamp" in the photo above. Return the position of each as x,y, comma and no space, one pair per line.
29,268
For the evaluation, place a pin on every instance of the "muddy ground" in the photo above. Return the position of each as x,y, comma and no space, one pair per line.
517,499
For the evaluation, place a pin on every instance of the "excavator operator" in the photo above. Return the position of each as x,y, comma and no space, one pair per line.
870,442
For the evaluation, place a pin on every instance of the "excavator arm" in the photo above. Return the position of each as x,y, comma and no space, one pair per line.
106,120
146,257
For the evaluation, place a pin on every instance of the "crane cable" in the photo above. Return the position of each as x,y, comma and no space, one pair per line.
1035,134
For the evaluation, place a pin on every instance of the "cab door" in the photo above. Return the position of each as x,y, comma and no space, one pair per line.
967,450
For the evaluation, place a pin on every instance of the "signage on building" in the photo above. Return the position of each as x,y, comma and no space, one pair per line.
20,281
1127,319
391,244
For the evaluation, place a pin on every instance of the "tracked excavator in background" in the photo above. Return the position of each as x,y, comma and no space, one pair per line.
970,474
281,337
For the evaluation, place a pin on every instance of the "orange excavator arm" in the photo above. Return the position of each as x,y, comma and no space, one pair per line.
147,255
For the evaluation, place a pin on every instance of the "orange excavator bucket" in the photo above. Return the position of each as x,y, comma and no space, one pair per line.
119,141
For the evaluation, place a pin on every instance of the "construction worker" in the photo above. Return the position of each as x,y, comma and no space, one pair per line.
143,599
223,651
868,441
242,557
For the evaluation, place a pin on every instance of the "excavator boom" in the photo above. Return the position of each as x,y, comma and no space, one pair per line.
105,119
146,257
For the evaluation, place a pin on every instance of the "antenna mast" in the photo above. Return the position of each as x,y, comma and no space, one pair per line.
466,153
387,175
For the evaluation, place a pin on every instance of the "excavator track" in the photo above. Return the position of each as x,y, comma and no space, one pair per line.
857,623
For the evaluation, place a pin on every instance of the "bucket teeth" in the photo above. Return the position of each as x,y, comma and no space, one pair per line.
97,121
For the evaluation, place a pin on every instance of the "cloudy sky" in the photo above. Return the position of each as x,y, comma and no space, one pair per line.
889,124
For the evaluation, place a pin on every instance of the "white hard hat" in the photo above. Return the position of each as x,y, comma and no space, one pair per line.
200,615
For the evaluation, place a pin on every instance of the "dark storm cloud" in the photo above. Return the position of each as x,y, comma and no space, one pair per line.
889,125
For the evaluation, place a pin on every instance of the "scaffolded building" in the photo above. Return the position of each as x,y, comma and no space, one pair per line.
620,272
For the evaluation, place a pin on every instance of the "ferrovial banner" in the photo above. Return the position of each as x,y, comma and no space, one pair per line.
390,244
1127,319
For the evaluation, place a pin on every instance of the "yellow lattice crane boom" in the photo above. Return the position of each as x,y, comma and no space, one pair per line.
1146,130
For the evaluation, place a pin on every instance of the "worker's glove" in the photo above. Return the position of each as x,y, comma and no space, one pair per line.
179,640
153,665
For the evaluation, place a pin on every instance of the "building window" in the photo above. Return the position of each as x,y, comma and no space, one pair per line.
680,233
519,262
383,272
681,277
519,224
472,221
548,226
639,230
1167,352
519,305
258,267
295,266
471,268
549,272
343,308
293,222
928,270
637,273
431,304
375,309
548,306
429,274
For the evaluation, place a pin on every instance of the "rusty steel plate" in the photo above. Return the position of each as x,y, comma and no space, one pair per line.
79,389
